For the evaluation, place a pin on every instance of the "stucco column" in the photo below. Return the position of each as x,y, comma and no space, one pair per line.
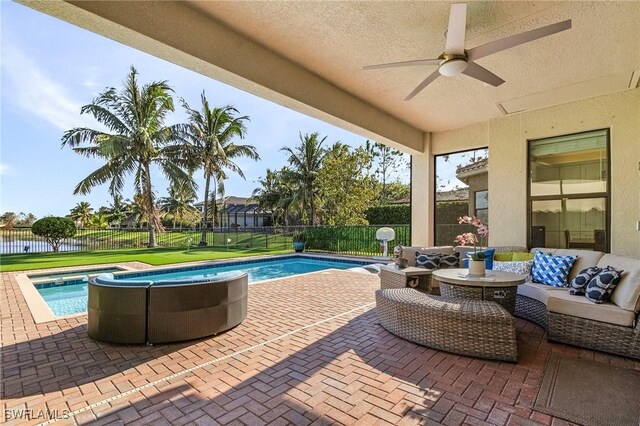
422,195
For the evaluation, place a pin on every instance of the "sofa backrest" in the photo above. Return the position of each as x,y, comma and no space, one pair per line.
585,259
627,294
409,252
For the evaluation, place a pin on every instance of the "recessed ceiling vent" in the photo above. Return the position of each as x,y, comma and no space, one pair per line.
585,89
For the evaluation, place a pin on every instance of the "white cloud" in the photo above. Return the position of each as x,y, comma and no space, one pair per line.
5,169
37,94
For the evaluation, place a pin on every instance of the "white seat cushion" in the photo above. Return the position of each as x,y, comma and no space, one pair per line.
537,291
562,302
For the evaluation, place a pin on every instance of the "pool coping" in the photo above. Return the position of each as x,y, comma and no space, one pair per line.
41,313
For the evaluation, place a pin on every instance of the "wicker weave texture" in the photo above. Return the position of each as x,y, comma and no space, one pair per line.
468,327
532,310
390,279
505,296
581,332
595,335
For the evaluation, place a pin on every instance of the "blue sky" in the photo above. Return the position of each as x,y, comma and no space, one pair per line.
51,68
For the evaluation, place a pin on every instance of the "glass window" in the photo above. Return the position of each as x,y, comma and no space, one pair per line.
482,206
568,189
461,189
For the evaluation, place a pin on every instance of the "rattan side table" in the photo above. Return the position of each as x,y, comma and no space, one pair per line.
393,277
497,286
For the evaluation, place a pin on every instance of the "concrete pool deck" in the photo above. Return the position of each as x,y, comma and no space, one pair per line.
311,351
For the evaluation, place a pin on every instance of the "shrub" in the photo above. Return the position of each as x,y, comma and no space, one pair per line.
396,214
54,230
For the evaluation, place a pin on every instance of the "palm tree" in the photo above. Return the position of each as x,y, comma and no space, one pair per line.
306,161
118,209
179,204
268,194
82,213
136,139
99,220
210,134
137,211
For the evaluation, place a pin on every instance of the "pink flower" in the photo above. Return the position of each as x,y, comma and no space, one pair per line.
466,238
470,237
465,219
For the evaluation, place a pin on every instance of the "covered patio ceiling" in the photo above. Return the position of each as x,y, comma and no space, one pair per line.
309,55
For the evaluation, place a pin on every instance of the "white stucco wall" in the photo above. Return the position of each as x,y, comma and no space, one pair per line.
507,141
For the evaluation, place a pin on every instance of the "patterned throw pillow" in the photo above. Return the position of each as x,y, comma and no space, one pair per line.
602,285
551,270
522,268
579,283
449,260
427,261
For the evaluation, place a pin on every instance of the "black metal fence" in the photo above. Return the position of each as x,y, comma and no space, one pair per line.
357,240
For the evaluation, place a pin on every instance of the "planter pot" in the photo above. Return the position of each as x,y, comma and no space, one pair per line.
298,247
477,268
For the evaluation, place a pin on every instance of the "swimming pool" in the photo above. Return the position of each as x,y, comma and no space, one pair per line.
70,297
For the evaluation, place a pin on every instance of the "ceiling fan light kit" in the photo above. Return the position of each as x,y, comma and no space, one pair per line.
452,66
457,60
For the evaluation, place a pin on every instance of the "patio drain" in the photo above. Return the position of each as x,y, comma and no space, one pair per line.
205,364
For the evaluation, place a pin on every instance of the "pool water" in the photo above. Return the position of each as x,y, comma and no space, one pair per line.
71,297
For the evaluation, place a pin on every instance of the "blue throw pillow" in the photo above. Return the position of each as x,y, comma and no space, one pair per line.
488,262
602,285
428,260
551,270
578,285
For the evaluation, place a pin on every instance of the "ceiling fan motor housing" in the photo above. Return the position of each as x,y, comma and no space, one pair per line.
453,65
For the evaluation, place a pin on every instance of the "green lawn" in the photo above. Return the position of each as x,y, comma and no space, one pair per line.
155,256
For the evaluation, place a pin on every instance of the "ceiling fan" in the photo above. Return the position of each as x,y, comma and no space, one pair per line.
457,60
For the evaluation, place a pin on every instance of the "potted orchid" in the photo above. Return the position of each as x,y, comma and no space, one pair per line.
477,264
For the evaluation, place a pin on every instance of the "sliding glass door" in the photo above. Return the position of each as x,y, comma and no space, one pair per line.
569,191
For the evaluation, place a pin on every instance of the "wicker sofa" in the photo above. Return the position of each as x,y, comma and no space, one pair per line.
389,280
135,312
610,327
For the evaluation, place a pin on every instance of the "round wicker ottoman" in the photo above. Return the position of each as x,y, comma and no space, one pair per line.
476,328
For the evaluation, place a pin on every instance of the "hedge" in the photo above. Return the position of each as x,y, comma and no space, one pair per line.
397,214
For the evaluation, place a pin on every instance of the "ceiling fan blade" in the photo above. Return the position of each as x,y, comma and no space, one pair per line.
456,29
417,62
422,85
516,40
480,73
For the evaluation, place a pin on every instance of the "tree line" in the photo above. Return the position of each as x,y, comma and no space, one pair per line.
332,185
321,183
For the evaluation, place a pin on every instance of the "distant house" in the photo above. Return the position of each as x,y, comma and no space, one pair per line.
239,212
476,176
461,194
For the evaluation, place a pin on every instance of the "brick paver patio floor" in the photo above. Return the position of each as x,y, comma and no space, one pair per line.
310,352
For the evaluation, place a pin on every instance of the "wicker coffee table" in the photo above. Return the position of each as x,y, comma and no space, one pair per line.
497,286
393,277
